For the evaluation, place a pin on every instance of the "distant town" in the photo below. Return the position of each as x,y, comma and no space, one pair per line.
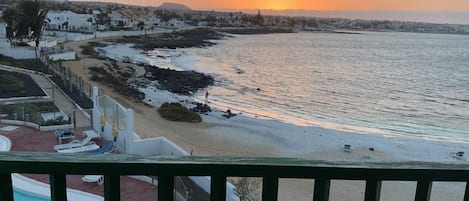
89,17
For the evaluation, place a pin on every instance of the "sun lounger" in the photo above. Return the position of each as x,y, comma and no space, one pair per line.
63,134
89,135
85,148
106,148
93,178
457,155
347,148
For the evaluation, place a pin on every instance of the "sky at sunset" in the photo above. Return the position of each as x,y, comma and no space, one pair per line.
408,5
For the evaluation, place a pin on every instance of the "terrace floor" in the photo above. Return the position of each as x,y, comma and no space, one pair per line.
29,139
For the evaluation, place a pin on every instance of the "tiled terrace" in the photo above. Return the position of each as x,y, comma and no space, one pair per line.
29,139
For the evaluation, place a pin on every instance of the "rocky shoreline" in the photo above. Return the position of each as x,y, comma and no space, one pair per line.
123,79
251,31
177,39
178,82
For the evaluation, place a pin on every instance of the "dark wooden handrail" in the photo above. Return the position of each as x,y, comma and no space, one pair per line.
219,168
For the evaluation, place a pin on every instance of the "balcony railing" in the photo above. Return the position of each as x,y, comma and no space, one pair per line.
219,168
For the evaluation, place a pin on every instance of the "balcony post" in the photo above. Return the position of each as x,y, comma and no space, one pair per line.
58,187
270,189
165,187
6,189
424,190
218,188
321,189
466,192
112,191
373,190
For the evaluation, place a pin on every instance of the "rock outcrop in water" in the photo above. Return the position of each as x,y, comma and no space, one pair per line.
179,82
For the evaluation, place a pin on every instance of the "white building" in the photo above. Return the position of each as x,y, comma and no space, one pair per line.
151,22
120,20
70,21
2,30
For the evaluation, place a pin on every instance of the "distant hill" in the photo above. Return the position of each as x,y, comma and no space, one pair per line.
174,6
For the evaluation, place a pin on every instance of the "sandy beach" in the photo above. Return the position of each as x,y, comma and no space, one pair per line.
218,136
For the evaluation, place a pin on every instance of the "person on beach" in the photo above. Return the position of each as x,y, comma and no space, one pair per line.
206,98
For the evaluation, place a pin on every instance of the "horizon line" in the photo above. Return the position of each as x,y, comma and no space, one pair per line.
300,9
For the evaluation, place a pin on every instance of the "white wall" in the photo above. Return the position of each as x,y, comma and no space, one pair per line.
2,30
19,52
127,143
63,56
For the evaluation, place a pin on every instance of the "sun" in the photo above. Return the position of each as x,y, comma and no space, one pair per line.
277,5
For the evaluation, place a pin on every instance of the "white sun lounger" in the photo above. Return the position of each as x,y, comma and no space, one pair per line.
77,143
89,147
347,148
93,178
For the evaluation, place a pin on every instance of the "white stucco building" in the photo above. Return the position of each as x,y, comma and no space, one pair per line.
120,20
70,21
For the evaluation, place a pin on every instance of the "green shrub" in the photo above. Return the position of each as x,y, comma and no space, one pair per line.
57,121
177,112
10,83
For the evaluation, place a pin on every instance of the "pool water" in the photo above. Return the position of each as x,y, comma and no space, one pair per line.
24,196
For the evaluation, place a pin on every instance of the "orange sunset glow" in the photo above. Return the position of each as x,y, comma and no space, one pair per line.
410,5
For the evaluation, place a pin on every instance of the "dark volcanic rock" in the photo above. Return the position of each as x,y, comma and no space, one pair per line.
201,108
119,83
258,30
179,39
180,82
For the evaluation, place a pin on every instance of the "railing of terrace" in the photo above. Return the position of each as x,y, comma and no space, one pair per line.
219,168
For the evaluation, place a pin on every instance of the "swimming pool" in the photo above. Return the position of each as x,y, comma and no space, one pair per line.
25,196
26,189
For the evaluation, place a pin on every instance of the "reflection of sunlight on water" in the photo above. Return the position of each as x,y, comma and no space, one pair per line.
223,105
332,81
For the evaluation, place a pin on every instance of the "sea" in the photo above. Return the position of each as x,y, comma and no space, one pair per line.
410,84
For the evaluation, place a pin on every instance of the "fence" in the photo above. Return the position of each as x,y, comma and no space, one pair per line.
219,168
42,113
78,87
113,112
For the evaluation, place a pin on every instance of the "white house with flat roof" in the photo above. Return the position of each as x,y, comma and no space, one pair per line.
121,20
70,21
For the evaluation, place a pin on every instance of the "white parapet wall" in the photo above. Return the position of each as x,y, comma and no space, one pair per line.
19,52
63,56
127,142
36,126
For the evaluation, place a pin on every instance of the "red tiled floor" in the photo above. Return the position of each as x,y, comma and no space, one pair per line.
29,139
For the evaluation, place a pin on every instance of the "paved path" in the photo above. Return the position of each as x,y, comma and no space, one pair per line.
61,100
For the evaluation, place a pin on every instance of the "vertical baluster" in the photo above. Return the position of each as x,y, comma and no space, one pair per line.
218,188
373,190
270,189
6,187
58,187
112,189
424,189
466,192
165,188
321,189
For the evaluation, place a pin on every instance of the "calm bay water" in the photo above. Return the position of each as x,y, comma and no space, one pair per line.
399,83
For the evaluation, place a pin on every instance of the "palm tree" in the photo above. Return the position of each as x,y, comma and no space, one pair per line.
30,21
9,19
